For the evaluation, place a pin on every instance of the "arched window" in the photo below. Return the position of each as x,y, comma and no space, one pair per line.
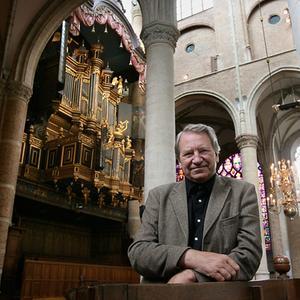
232,167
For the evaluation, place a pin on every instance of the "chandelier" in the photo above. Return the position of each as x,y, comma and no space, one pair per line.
282,191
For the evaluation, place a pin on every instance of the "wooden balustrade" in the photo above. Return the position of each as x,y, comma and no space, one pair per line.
256,290
43,279
49,279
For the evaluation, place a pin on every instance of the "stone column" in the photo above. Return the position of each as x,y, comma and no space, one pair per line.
294,242
137,19
247,144
277,247
134,220
160,41
137,97
14,103
294,11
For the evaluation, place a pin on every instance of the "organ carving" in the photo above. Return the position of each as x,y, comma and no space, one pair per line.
83,150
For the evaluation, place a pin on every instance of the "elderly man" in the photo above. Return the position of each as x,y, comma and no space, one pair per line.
205,228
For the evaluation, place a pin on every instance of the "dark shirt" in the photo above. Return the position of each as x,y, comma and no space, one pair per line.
197,196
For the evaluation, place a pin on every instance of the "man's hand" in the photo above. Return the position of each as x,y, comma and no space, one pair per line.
218,266
185,276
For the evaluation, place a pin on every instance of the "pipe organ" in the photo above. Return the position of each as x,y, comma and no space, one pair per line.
83,150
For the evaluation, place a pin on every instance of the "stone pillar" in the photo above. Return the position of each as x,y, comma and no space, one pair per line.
14,103
294,11
247,144
160,41
277,247
294,242
137,97
137,19
134,220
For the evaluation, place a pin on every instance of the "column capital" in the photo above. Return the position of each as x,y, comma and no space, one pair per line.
17,89
158,32
247,140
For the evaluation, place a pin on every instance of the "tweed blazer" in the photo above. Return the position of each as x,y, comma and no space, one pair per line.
231,227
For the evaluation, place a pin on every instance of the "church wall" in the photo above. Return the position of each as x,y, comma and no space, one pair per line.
273,32
251,73
219,43
207,19
20,16
197,62
251,70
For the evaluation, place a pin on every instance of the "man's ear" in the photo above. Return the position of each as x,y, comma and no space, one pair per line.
217,157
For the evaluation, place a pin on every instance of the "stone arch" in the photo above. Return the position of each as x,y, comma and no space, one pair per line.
223,101
212,109
265,33
263,94
194,26
37,36
204,41
288,133
254,6
292,143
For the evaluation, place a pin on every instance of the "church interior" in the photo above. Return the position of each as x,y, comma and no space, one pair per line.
92,96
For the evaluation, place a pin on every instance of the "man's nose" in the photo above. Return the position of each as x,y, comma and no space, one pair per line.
197,158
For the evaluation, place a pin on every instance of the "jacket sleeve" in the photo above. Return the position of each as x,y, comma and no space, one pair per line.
247,254
153,260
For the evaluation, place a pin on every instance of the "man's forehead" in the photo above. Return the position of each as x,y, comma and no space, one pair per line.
186,134
191,133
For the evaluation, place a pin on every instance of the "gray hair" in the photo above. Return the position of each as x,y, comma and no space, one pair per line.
198,128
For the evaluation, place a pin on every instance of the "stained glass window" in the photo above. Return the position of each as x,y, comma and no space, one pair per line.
232,167
179,173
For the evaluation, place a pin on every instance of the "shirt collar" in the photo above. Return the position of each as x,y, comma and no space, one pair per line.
194,186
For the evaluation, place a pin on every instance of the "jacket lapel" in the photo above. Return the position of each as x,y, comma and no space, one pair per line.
216,202
179,202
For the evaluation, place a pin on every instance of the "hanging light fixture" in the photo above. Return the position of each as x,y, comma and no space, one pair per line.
282,193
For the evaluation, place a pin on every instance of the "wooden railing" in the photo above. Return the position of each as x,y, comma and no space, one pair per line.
256,290
53,279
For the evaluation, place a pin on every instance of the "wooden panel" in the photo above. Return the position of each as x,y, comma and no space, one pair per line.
287,289
201,291
257,290
49,278
11,268
293,289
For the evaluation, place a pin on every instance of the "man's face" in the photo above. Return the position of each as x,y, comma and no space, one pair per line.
197,156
